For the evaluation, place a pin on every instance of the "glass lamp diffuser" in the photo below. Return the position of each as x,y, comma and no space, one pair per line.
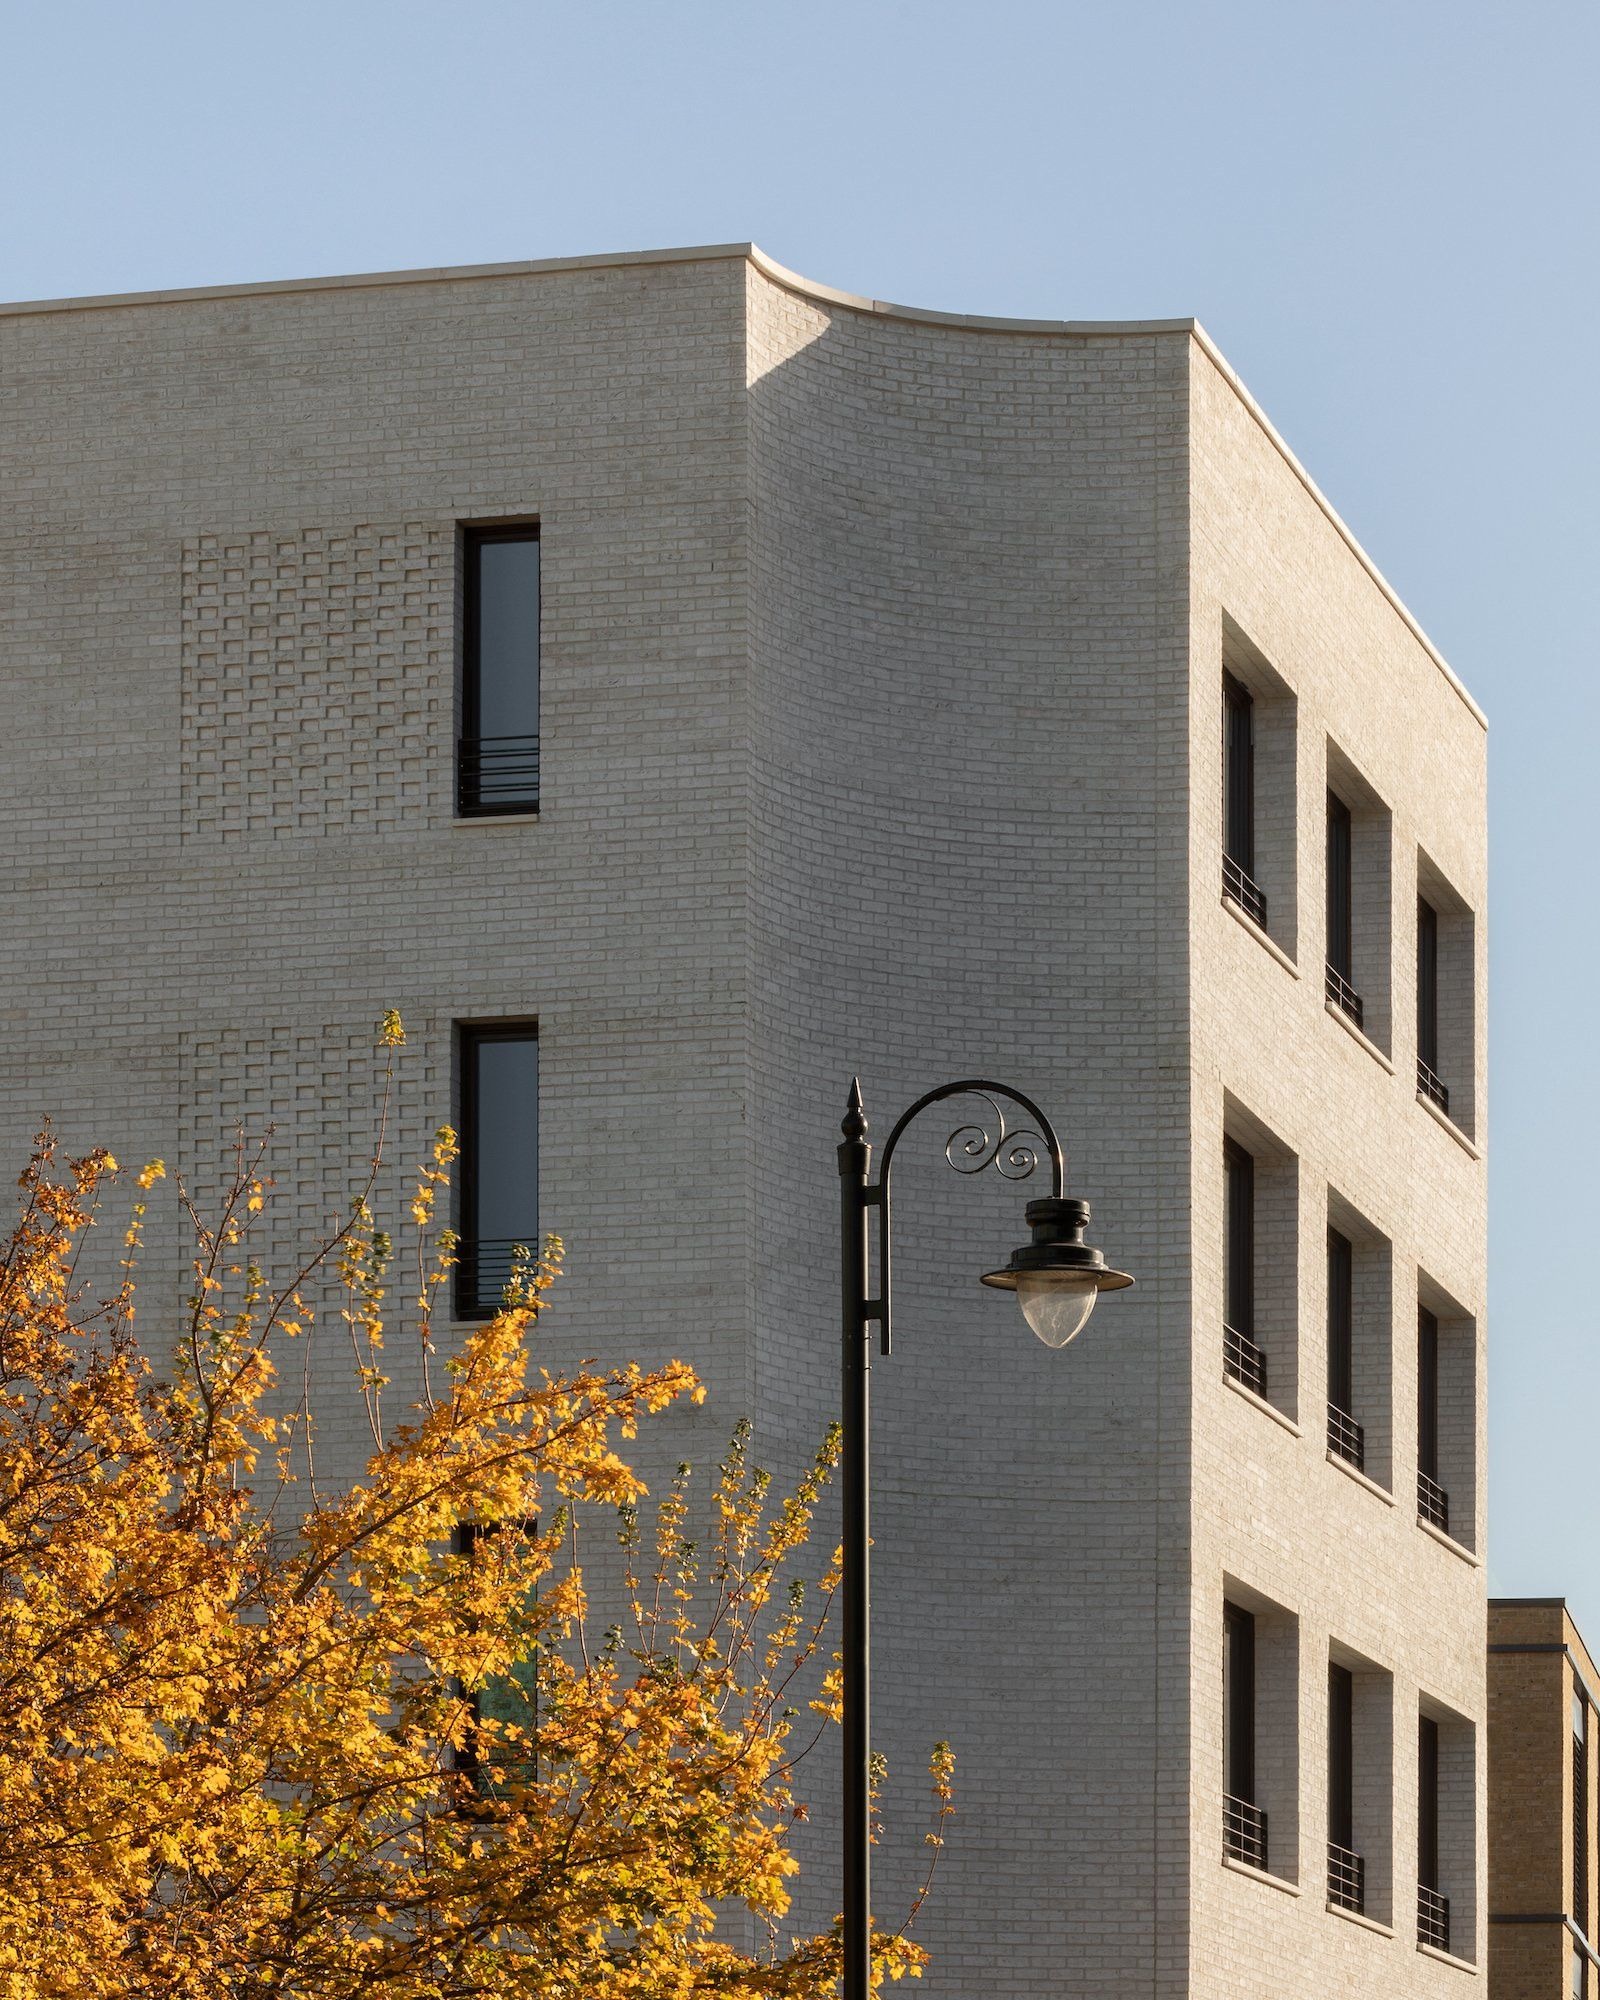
1057,1276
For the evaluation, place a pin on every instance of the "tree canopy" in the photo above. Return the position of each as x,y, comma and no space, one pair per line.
262,1739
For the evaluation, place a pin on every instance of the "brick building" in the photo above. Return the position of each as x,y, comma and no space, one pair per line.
1543,1697
911,695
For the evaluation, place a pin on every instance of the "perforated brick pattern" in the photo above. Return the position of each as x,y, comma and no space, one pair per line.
317,680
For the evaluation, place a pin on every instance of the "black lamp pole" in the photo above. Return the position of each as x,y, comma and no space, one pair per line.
1057,1276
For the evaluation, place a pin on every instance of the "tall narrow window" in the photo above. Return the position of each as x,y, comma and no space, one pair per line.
1580,1813
1244,1824
1346,1869
498,753
1428,1082
499,1745
1239,800
1241,1357
1433,1908
1345,1436
1433,1503
499,1161
1341,965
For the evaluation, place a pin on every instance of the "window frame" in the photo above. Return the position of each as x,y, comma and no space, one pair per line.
1239,1238
1341,1756
1239,884
1580,1813
1346,1436
470,1036
1340,885
1238,773
1428,1849
1242,1357
1429,1081
521,766
1239,1702
1339,919
1427,1391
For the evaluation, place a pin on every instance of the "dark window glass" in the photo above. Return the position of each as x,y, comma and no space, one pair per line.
1238,761
1580,1815
499,1159
1427,985
1239,1287
1341,1369
1239,1701
1428,1803
1341,1757
1427,1393
1339,925
499,753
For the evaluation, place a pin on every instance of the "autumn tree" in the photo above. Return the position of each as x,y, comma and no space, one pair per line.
261,1739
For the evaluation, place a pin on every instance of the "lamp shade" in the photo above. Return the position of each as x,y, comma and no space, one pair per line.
1057,1276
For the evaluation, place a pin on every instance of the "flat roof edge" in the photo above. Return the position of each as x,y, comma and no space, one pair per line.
705,253
778,274
437,274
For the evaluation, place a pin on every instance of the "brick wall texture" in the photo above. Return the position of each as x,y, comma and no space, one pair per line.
880,734
1543,1908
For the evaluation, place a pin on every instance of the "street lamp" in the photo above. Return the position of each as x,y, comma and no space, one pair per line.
1056,1276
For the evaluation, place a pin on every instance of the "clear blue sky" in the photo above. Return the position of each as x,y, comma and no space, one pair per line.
1386,214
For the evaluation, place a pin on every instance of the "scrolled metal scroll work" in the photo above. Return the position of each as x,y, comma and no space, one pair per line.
1013,1152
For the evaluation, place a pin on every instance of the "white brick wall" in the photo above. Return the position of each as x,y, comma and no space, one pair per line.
880,733
1269,1506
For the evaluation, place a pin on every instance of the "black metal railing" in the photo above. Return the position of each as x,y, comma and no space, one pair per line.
1433,1918
1344,996
497,774
483,1270
1429,1086
1433,1503
1244,1832
1243,890
1346,1438
1243,1360
1347,1878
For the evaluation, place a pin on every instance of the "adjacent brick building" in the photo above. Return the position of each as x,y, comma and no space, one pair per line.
1544,1693
888,664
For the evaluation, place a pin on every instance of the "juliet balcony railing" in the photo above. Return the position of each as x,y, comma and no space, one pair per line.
1346,1438
1243,1360
1429,1086
1433,1918
1244,1832
1242,889
483,1270
1347,1879
1344,996
1433,1503
497,774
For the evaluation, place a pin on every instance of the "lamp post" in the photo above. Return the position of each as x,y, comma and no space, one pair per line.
1057,1278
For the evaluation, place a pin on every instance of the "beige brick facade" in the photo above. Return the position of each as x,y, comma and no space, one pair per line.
881,722
1544,1835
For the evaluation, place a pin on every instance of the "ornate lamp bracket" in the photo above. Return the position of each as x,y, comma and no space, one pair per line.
1013,1150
